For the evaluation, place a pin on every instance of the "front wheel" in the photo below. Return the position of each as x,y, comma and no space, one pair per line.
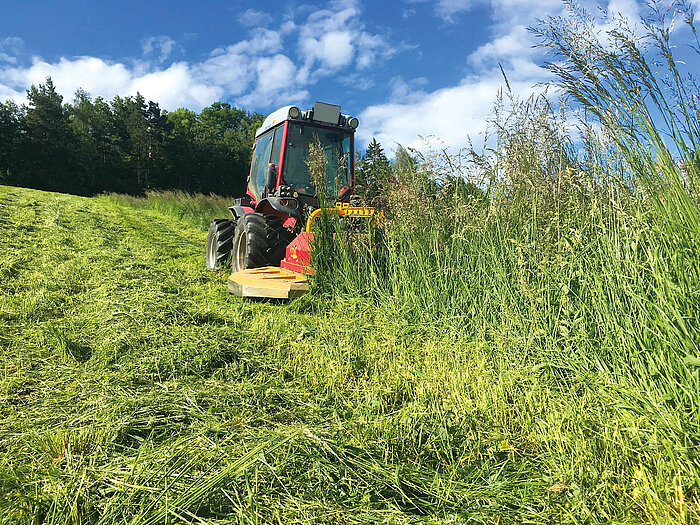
219,243
259,240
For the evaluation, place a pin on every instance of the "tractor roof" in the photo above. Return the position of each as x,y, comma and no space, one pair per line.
272,119
282,114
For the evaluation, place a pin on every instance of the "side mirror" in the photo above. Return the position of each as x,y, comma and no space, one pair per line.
345,194
271,178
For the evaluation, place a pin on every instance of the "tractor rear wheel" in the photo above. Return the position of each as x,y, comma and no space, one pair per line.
259,240
219,243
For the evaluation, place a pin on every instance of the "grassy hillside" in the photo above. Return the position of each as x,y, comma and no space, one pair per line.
134,389
524,349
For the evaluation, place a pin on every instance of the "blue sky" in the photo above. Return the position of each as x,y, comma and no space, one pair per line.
406,68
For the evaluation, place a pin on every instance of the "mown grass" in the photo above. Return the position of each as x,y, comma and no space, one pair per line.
136,390
526,356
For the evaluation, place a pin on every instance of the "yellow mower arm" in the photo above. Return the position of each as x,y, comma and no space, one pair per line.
342,209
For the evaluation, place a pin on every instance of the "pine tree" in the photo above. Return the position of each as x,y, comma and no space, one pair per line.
51,139
97,157
140,130
372,172
11,143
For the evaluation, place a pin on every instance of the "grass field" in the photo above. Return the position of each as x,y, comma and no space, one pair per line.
523,350
135,389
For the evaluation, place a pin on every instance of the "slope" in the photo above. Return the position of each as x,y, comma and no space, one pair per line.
134,389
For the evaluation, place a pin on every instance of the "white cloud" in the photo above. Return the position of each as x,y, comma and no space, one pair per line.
255,18
517,43
10,47
456,112
333,50
234,68
7,93
159,46
172,86
343,41
271,65
407,91
453,114
92,74
627,8
369,47
445,9
448,8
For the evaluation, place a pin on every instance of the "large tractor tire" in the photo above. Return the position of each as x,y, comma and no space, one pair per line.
259,240
219,243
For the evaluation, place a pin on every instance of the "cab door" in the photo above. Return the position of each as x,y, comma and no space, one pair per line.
268,147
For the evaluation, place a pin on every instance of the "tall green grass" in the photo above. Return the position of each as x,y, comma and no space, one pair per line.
525,355
197,209
584,262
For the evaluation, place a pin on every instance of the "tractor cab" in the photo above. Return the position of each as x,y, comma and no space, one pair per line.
281,150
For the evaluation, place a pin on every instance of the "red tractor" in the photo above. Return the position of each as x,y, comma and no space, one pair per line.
268,240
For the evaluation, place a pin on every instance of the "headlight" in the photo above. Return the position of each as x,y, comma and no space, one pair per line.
294,112
290,203
353,122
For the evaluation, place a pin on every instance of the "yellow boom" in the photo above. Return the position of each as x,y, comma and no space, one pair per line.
342,209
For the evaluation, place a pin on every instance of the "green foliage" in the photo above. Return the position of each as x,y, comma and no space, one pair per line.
49,138
583,261
97,156
518,343
206,149
128,145
12,143
372,172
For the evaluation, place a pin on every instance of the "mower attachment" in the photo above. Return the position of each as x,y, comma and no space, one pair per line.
289,280
268,281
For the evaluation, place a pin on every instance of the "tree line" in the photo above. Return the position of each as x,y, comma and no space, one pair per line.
130,145
126,145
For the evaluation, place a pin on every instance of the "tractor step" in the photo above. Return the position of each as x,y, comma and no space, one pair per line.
269,281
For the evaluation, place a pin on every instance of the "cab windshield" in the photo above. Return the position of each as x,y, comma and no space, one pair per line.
336,145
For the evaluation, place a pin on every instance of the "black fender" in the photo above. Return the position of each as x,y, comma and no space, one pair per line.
240,211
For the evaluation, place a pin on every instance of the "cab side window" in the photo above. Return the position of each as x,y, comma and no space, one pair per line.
277,146
263,148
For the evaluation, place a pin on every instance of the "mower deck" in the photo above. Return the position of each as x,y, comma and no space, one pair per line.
268,282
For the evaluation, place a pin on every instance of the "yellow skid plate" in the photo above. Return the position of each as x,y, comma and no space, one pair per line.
269,281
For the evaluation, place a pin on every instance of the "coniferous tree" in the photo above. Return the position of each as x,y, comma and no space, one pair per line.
132,133
128,145
96,156
157,127
181,149
11,143
372,172
51,139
